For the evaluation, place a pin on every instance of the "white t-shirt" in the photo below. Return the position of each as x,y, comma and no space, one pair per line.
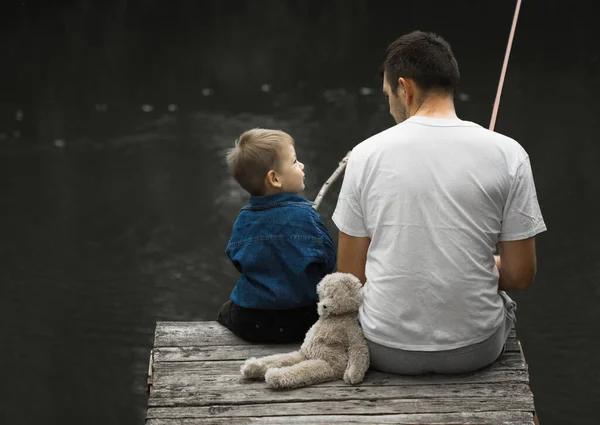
435,196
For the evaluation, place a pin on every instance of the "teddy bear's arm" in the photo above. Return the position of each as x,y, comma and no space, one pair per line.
358,356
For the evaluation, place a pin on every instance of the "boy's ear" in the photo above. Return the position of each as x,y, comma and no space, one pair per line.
273,180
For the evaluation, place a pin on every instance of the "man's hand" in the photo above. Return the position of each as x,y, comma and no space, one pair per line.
352,255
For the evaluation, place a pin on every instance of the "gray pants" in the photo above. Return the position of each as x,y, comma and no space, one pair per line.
460,360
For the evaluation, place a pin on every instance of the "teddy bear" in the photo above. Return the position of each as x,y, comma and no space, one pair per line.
333,348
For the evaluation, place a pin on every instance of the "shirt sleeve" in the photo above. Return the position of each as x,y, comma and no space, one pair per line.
328,251
348,215
522,217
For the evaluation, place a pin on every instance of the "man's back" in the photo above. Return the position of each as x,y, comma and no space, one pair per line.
435,197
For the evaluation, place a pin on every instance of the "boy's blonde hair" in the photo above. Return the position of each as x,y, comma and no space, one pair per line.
256,152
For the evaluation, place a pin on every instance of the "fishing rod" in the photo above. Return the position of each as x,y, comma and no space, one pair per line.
342,165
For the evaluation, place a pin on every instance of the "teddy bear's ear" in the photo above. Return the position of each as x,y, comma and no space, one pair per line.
322,283
351,282
353,279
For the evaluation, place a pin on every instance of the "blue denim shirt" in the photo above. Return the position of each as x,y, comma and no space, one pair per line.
283,249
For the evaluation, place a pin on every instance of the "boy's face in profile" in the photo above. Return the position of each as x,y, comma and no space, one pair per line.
290,174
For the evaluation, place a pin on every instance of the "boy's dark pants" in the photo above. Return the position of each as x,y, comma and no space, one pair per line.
268,326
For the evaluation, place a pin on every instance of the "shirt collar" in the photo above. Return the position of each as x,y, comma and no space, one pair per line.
441,122
270,201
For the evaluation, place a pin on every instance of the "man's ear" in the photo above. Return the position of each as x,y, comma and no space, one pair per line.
273,180
406,89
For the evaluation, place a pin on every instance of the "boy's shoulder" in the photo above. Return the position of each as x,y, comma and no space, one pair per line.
277,204
285,209
276,201
294,218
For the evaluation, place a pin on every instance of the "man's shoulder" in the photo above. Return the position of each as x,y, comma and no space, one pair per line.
500,139
378,143
373,143
513,152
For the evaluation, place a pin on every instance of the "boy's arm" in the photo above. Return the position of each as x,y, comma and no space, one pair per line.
232,247
328,251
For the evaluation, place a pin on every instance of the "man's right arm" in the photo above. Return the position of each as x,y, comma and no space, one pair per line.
521,221
517,264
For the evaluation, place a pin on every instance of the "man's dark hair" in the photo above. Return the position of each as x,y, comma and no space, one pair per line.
424,57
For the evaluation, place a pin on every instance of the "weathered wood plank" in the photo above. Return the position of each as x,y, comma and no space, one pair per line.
200,395
202,334
219,352
226,367
508,362
232,352
348,407
186,377
471,418
174,334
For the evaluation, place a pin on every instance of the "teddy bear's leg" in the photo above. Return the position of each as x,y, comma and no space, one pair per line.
256,368
308,372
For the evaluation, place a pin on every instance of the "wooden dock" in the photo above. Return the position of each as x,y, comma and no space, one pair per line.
194,378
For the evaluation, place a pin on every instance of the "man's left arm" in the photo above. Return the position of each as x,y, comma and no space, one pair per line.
354,238
352,255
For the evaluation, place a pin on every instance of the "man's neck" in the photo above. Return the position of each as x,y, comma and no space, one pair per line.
441,107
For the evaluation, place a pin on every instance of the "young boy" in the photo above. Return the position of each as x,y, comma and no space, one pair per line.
278,243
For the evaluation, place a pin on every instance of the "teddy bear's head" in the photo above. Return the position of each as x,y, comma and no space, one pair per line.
339,293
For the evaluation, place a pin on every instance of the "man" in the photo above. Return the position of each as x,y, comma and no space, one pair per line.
421,210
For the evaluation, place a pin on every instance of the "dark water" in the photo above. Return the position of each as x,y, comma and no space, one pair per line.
112,218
